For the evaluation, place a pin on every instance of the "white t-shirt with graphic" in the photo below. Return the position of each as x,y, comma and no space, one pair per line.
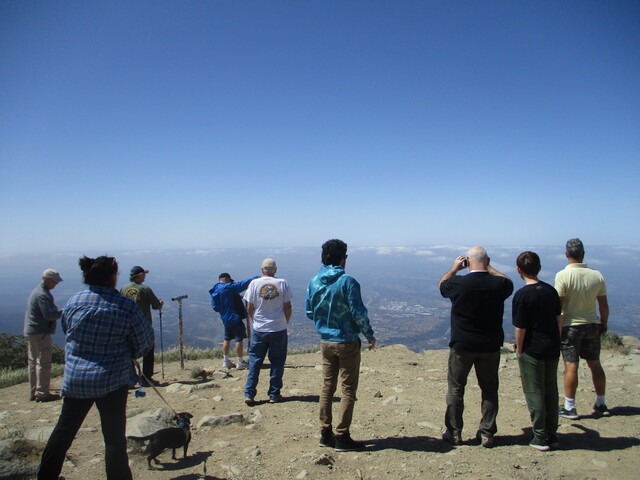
268,296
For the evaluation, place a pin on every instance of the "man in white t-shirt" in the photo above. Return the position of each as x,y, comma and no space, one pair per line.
269,308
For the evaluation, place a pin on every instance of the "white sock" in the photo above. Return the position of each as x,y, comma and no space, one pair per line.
600,400
241,359
569,403
226,358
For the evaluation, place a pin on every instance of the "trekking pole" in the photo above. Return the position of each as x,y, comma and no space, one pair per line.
161,346
180,330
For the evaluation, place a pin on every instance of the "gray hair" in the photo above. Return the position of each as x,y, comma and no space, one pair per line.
575,249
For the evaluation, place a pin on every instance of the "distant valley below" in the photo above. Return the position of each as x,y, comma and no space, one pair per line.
399,287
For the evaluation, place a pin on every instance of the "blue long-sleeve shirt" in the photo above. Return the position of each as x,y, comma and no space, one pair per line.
334,303
223,303
105,333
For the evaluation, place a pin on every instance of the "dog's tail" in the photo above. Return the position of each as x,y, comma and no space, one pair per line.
141,439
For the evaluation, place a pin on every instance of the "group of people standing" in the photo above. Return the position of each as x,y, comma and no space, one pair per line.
333,302
107,330
547,320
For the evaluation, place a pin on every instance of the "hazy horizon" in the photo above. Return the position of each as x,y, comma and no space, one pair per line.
399,285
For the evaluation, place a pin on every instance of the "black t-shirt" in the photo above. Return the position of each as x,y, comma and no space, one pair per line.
477,307
535,308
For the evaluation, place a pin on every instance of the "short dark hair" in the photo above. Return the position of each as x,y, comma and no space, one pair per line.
98,271
529,263
575,248
333,251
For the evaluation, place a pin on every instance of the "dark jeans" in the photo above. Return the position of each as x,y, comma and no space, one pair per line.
486,365
540,387
112,408
339,359
275,343
147,364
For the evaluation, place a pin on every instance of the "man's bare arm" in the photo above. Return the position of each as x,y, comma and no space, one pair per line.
603,308
455,268
493,271
287,311
520,334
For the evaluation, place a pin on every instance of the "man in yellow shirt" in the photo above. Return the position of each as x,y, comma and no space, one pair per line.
580,288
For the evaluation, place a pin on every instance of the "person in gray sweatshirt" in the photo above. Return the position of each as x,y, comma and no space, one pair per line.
39,325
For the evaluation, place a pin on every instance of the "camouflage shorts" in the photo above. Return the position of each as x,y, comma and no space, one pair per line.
581,341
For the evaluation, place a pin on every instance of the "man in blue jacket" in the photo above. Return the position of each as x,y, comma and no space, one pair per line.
226,300
335,305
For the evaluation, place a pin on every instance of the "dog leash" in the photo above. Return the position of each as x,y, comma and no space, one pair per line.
140,374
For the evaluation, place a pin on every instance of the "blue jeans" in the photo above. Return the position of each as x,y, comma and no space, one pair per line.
275,343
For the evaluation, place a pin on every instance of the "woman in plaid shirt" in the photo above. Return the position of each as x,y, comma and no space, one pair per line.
105,332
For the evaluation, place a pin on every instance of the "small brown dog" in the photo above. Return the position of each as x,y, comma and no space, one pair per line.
174,437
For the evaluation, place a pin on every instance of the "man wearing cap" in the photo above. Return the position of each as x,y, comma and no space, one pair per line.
39,325
226,300
146,300
269,307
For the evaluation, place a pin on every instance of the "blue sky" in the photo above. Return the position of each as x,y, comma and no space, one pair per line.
213,124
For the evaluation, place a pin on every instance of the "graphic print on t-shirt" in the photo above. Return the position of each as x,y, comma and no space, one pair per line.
132,293
269,291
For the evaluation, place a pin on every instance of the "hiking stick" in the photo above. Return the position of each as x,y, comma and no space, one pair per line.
161,345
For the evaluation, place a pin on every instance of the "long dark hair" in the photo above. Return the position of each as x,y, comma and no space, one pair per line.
98,271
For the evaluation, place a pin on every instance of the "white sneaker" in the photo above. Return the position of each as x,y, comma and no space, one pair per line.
228,364
242,364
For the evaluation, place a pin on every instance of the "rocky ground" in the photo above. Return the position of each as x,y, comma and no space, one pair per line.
399,414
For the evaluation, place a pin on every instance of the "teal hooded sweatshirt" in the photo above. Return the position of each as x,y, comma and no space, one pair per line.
334,303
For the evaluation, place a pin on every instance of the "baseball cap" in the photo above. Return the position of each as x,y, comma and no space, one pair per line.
52,274
137,270
269,264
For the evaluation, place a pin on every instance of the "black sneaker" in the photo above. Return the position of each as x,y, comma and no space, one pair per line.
553,442
601,410
571,414
327,438
344,443
539,444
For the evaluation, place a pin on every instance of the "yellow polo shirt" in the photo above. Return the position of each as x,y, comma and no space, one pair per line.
579,285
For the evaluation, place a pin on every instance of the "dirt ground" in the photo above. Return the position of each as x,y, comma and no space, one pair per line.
399,414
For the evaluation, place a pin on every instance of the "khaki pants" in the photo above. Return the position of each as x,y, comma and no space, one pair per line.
339,359
40,347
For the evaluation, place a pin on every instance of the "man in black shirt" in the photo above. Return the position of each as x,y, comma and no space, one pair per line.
536,316
477,306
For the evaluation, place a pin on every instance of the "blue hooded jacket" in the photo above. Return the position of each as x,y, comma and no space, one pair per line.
334,303
223,303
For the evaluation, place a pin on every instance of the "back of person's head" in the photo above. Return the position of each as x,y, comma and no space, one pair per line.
478,255
333,251
98,271
269,266
529,263
575,249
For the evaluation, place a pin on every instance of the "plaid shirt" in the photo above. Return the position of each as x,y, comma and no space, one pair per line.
105,333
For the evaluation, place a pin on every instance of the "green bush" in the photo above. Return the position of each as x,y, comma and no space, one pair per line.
13,351
611,341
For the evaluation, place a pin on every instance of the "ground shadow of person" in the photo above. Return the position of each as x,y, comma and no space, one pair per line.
624,411
418,443
591,439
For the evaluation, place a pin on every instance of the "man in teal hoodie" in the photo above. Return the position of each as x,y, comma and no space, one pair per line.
335,305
